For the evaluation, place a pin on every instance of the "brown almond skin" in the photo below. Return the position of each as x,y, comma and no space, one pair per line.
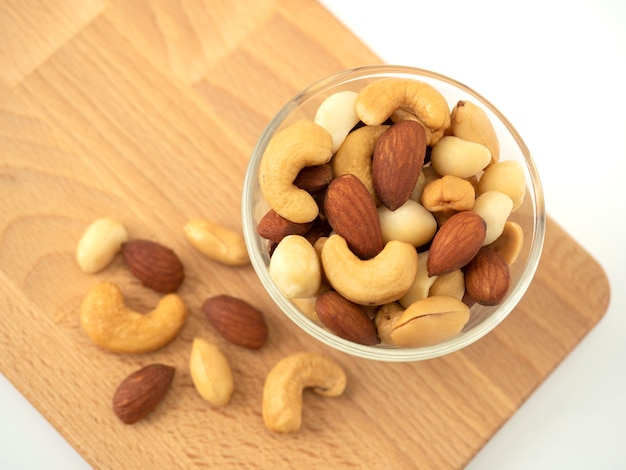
351,212
155,265
140,393
236,320
397,162
487,277
345,319
314,179
456,243
274,227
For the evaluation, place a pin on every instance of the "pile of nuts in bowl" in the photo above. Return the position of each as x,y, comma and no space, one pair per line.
389,213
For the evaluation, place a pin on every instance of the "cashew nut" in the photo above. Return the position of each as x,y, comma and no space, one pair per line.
448,192
375,281
100,242
111,325
378,100
470,122
429,321
355,155
217,242
301,144
295,267
282,392
210,372
337,115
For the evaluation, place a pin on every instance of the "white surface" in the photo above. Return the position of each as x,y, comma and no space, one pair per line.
557,71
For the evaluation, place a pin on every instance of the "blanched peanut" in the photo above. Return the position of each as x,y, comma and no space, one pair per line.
451,284
410,223
421,283
430,321
416,195
386,317
210,372
217,242
507,177
337,114
295,267
448,192
455,156
100,242
494,207
470,122
510,243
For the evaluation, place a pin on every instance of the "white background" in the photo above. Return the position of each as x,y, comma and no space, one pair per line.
556,69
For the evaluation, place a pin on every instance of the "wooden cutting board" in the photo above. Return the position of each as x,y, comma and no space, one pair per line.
147,112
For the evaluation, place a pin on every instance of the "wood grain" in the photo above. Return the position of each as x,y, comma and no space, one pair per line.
147,111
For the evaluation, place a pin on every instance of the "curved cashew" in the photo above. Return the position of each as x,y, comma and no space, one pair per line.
113,326
355,155
303,143
282,392
375,281
378,100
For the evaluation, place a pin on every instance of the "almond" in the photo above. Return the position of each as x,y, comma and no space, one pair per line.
236,320
314,179
352,213
140,393
321,228
346,319
156,266
456,243
397,162
487,277
274,227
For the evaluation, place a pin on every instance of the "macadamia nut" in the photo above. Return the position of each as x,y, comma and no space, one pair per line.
410,223
337,114
295,267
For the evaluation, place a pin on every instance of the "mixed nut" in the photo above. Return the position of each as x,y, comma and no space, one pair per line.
408,225
110,324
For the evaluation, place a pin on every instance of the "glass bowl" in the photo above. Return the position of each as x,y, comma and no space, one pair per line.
531,215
